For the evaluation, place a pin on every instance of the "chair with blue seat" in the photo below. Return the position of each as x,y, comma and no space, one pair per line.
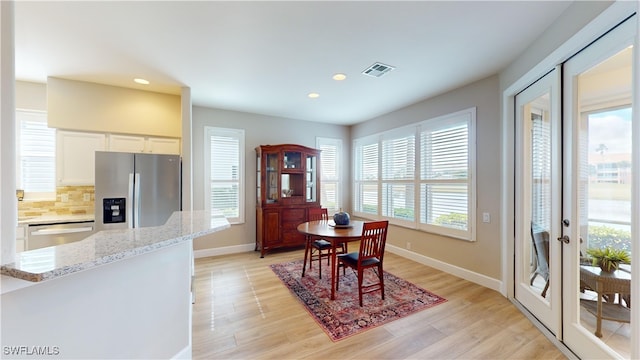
370,256
316,248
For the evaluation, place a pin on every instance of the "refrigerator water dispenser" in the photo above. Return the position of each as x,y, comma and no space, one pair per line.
113,210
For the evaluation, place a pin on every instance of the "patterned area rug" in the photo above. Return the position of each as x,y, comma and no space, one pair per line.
343,317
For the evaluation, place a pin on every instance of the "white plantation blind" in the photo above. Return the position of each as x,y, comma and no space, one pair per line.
440,196
36,155
330,177
368,164
540,170
224,159
444,173
445,152
399,158
366,176
398,175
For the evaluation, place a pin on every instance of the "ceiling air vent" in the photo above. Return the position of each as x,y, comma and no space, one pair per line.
377,70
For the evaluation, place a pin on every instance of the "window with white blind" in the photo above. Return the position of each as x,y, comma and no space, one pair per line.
331,177
446,188
398,174
440,197
366,177
35,155
224,172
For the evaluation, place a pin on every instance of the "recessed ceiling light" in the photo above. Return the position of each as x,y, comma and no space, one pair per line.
313,95
339,77
141,81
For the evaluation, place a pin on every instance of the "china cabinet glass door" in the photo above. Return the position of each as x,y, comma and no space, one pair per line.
258,179
311,184
272,177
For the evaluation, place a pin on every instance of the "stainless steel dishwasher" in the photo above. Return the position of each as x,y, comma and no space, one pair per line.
43,235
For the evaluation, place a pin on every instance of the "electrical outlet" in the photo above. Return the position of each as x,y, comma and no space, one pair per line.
64,197
86,197
486,217
408,245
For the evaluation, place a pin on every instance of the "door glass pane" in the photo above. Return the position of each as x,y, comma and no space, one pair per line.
540,193
604,93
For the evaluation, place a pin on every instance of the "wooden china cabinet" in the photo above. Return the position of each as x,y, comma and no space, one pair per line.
288,183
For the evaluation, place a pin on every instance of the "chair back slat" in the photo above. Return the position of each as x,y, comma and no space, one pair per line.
318,214
374,238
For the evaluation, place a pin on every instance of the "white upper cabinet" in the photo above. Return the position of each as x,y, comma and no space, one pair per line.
146,144
75,152
75,156
126,143
163,146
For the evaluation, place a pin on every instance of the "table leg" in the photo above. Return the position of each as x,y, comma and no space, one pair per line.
334,268
307,249
599,313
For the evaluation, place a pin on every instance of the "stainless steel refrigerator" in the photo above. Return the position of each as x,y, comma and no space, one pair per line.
135,190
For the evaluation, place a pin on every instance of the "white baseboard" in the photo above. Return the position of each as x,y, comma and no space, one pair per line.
474,277
224,250
184,353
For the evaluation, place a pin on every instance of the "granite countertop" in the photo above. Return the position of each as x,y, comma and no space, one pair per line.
54,219
111,245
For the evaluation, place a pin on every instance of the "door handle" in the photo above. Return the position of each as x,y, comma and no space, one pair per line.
565,239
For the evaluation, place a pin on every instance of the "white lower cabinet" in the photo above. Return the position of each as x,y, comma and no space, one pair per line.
21,238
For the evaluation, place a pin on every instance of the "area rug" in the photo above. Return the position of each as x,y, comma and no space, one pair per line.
343,317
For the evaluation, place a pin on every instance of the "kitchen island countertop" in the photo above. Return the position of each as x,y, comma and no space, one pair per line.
111,245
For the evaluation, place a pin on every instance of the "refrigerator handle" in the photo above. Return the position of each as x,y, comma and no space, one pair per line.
130,202
136,200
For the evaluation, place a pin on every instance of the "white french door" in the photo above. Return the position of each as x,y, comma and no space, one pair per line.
598,175
538,185
577,183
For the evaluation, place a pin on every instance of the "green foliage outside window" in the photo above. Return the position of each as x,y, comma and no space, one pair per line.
369,209
403,213
602,236
453,220
225,200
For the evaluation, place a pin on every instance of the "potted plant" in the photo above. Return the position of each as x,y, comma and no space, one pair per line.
608,258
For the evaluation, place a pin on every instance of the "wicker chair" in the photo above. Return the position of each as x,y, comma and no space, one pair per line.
540,242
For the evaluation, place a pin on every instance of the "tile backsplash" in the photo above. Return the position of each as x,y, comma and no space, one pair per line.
70,200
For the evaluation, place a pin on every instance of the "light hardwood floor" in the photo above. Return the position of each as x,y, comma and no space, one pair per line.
243,311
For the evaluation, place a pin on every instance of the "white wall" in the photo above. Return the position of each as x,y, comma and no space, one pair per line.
482,256
8,201
574,18
259,130
31,96
84,106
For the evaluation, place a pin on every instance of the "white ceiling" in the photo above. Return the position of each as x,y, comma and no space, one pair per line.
265,57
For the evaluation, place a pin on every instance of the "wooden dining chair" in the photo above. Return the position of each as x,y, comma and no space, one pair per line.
370,256
316,248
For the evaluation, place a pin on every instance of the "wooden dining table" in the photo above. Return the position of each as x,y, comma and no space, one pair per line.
335,234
